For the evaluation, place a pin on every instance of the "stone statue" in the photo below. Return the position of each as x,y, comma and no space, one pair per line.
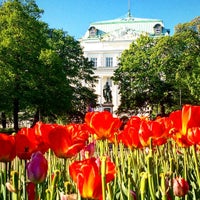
107,93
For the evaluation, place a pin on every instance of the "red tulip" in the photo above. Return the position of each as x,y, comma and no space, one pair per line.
41,131
158,131
31,191
152,129
138,132
180,187
37,168
67,141
8,148
103,124
26,143
129,136
86,174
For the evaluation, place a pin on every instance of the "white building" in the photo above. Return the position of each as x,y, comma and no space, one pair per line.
104,41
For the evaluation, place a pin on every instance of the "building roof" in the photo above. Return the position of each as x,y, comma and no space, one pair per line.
126,23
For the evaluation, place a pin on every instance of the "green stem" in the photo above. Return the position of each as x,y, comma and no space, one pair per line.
110,195
129,178
143,185
185,164
118,179
24,185
150,177
101,143
163,187
54,183
103,177
48,194
185,168
15,178
196,163
122,152
6,178
115,156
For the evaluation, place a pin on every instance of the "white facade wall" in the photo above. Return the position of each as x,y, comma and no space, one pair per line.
101,50
109,39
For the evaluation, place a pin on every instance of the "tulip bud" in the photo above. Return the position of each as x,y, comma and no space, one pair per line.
37,168
180,187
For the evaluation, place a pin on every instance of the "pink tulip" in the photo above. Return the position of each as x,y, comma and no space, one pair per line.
88,151
180,187
37,168
68,196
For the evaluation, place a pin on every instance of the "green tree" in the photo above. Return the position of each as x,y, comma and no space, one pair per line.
21,40
193,25
162,73
74,73
188,35
166,58
141,85
42,70
51,94
176,57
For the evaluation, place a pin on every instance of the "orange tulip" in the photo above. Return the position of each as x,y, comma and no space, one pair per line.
193,135
8,148
144,133
186,123
67,141
86,174
103,124
190,117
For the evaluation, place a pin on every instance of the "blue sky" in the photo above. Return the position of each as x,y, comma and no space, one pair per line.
75,16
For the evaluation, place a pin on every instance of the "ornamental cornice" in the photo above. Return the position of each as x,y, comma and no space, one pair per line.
122,34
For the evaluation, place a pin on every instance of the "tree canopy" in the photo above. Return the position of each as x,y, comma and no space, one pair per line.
160,74
78,72
41,69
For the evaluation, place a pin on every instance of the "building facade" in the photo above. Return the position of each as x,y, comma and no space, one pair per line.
104,42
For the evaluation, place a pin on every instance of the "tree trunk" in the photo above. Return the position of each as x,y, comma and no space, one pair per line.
15,114
3,120
162,109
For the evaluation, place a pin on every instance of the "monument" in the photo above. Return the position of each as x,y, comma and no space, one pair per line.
107,94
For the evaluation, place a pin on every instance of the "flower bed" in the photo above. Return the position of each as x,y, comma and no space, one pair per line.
147,159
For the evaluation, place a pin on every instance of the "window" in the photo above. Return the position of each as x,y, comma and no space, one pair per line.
109,62
94,61
157,29
92,31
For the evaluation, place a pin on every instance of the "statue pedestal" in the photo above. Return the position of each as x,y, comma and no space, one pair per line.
108,106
